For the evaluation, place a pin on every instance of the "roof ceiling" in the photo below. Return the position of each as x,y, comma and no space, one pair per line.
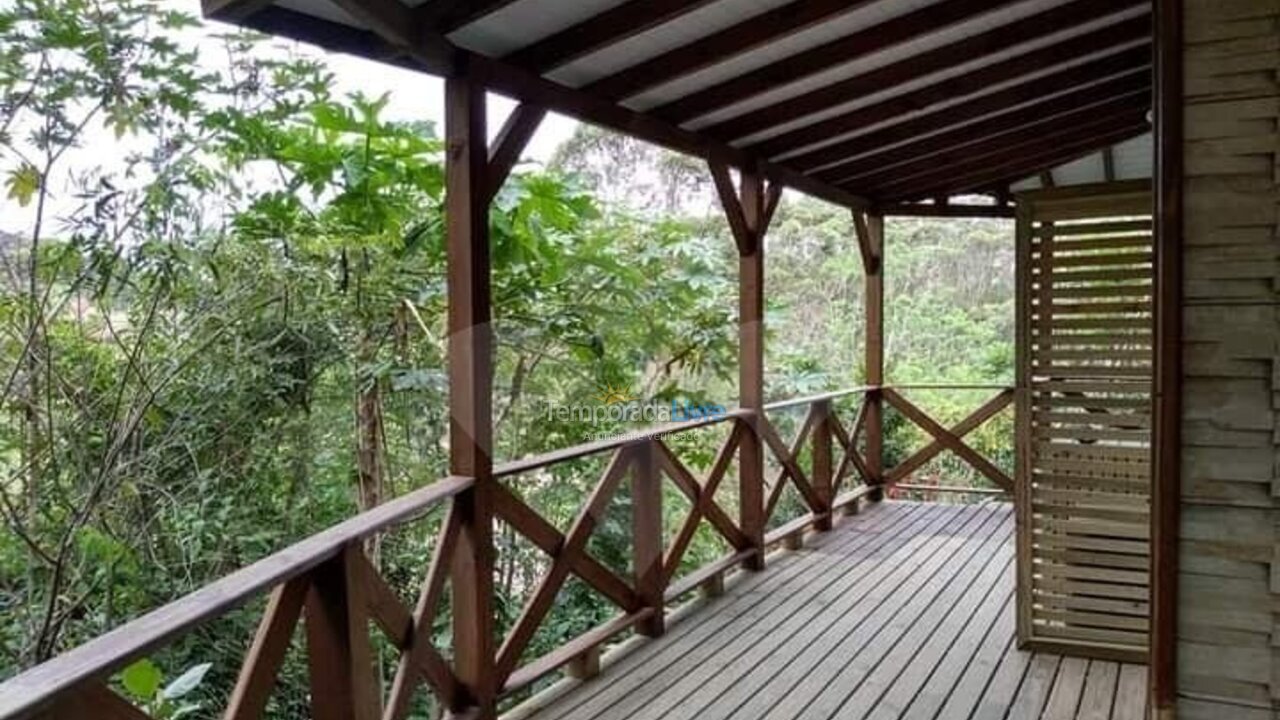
889,101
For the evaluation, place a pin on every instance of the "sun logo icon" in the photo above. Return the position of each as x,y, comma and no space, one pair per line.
615,395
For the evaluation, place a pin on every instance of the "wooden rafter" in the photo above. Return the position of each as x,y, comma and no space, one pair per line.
1015,161
445,16
611,26
959,52
1132,61
951,210
234,10
1021,165
756,31
1103,114
828,55
1129,88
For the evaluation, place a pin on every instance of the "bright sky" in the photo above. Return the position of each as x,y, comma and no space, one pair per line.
412,96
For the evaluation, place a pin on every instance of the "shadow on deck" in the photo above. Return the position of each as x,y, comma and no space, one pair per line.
904,611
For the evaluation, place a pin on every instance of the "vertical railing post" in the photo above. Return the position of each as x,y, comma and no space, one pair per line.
870,230
344,685
470,380
749,212
646,527
823,484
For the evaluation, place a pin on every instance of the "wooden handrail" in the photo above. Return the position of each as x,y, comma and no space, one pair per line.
360,594
30,690
576,452
945,386
811,399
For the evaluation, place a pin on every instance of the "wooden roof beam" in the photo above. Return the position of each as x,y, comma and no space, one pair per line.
859,44
1016,164
754,32
232,11
1066,154
980,80
1134,92
611,26
1123,106
976,47
434,54
944,177
445,16
949,210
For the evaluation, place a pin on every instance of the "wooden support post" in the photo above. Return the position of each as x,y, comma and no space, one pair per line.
1166,446
1022,420
823,463
749,212
870,229
470,381
344,685
647,537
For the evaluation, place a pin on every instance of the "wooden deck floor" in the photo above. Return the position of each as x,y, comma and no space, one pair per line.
904,611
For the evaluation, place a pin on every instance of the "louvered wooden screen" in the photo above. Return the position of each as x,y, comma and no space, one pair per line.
1084,419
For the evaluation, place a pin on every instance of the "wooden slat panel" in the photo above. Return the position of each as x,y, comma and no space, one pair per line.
1089,348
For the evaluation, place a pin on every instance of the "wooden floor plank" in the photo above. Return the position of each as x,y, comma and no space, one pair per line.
771,642
942,620
904,612
791,576
855,651
958,682
1068,688
729,683
998,695
1099,691
1131,693
964,627
655,675
1035,687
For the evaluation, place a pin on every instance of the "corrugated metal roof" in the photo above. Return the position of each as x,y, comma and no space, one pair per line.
724,76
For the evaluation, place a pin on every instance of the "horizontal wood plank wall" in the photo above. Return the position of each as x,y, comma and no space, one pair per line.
1085,369
1229,601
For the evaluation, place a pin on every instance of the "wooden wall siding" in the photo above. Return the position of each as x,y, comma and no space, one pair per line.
1229,577
1084,422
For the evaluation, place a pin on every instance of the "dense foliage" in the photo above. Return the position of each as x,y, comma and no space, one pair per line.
234,336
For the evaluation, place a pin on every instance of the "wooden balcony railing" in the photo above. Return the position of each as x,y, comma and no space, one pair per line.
327,582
